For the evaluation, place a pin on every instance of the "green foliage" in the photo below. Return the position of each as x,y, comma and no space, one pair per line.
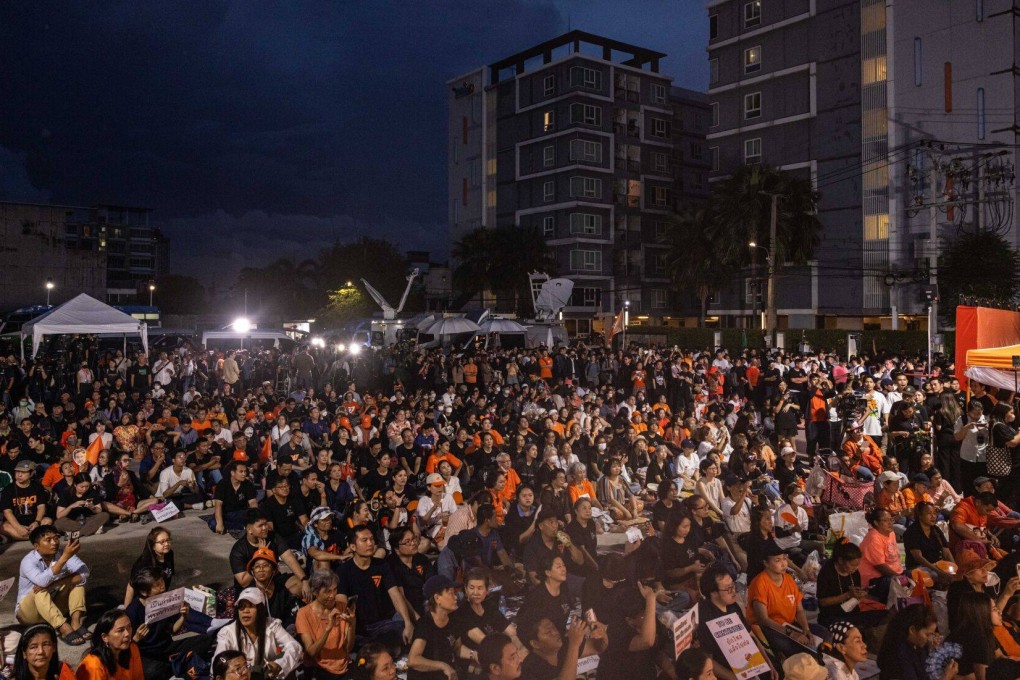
178,295
695,263
833,340
499,260
979,264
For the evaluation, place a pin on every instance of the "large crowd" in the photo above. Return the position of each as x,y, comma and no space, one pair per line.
516,513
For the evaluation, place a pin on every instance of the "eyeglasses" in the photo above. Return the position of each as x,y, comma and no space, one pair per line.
242,671
165,541
413,541
731,589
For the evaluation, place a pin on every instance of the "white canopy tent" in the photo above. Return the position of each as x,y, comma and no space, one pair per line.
85,315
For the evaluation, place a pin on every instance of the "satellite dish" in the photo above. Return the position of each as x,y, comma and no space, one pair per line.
554,296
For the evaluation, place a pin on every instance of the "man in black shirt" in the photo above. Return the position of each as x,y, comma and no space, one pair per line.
23,503
256,536
371,581
546,541
234,495
285,513
310,492
721,600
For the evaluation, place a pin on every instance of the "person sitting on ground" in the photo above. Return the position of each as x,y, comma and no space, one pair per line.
114,654
80,508
326,632
234,495
285,513
266,577
926,546
23,503
880,554
774,604
256,537
865,455
720,599
374,662
158,554
548,540
630,642
844,651
551,657
322,543
969,521
499,657
51,585
37,656
156,641
435,646
271,651
177,484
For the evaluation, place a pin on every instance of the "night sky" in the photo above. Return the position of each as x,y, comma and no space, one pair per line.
264,129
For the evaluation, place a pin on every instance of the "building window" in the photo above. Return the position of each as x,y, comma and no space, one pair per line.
659,298
752,150
585,187
713,26
548,191
752,13
713,153
715,114
490,199
585,224
873,70
586,260
752,59
660,128
585,151
696,151
548,227
587,78
876,227
713,71
549,121
586,114
981,112
548,156
658,93
660,161
549,85
752,105
661,197
752,292
917,62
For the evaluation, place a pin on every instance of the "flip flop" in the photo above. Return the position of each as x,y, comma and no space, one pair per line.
76,638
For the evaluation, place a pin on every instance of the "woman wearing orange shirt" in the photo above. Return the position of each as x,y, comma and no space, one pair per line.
580,486
114,654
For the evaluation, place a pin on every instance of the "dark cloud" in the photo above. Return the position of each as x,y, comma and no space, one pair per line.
327,112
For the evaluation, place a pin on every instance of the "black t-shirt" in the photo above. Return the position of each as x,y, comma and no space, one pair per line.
439,644
490,621
977,649
677,556
661,514
609,603
536,668
166,568
70,496
582,538
24,503
411,455
535,549
314,499
931,546
235,500
707,611
554,607
514,525
412,579
618,661
282,605
831,584
156,643
756,546
284,516
372,586
373,482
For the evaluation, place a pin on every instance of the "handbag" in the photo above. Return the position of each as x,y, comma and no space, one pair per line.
998,458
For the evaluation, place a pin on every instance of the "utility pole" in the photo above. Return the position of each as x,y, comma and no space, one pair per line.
933,244
771,317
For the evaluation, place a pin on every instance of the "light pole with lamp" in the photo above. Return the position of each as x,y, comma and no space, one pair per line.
49,287
626,320
152,289
768,263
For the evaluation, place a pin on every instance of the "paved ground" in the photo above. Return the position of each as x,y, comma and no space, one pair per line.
201,558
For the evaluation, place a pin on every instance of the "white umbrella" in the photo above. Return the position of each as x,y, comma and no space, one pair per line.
426,322
453,325
502,326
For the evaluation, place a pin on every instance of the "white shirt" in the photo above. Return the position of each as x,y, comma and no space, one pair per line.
687,467
435,523
793,540
877,408
970,450
838,669
741,522
167,478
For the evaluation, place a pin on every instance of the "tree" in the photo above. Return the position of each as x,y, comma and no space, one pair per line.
179,295
997,279
694,260
499,260
377,261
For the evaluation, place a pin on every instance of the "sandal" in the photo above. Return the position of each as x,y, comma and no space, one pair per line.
76,638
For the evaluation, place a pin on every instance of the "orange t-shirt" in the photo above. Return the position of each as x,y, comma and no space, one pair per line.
497,438
584,489
780,601
912,498
753,374
470,374
52,475
878,549
545,365
91,668
513,480
332,656
966,513
434,460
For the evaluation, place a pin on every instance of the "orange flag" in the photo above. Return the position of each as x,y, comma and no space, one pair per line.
267,450
92,452
617,327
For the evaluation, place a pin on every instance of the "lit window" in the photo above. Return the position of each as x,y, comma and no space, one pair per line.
873,70
549,121
752,59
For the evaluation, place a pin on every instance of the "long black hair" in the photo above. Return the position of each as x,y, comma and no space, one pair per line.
261,621
21,669
916,616
101,650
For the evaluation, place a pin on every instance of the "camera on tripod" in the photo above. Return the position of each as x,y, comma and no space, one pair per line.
851,406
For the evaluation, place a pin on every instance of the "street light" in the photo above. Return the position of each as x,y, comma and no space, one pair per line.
768,261
49,287
626,320
152,289
241,325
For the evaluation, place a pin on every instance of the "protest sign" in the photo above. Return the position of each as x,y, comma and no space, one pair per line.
163,511
739,648
587,664
683,631
201,599
164,606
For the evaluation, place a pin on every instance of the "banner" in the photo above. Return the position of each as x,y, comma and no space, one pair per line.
587,664
5,586
163,511
739,648
164,606
683,631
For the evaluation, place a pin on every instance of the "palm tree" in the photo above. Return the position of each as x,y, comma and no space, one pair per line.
695,260
499,260
742,213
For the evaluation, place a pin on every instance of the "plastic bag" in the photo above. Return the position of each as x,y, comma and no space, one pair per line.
815,481
899,587
939,604
812,565
852,525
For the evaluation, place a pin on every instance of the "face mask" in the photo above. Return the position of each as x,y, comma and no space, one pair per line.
602,446
993,580
798,499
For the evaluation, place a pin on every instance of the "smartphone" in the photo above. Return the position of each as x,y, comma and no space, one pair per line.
75,535
352,603
1018,570
589,616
